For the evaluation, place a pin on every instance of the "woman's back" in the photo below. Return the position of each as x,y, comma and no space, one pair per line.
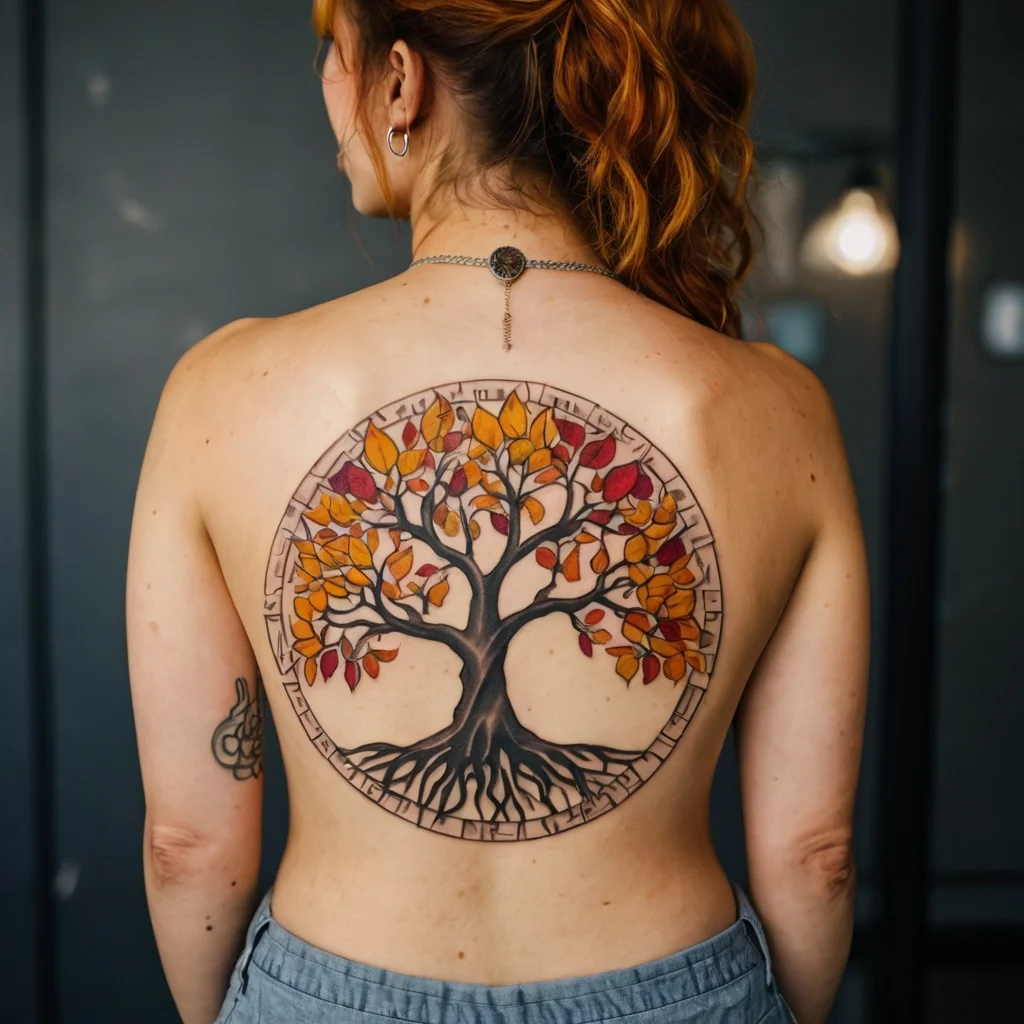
571,675
506,603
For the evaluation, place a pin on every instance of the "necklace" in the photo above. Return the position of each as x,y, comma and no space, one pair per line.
507,263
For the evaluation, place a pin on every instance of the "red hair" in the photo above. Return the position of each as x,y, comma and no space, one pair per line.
638,108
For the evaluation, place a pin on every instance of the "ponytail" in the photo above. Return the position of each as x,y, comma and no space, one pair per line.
637,107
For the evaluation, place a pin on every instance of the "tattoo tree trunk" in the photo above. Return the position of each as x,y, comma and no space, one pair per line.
460,485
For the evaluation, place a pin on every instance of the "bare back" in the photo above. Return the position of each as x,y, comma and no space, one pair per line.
504,605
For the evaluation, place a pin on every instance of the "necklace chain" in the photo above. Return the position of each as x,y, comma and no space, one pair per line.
507,263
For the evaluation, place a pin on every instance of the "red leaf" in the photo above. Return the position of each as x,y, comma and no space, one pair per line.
643,488
601,516
570,432
428,460
458,482
592,618
561,452
426,569
619,482
671,550
328,663
585,645
354,480
628,528
651,668
409,433
371,665
352,673
598,453
547,558
500,523
452,440
669,630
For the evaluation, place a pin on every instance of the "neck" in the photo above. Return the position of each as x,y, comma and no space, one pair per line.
548,232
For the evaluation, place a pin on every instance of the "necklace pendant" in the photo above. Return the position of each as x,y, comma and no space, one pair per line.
506,263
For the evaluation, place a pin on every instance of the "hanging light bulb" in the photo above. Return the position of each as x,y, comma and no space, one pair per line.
857,235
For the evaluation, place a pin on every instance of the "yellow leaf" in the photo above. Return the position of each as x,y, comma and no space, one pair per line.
486,429
414,587
513,416
697,660
520,450
321,515
399,562
600,636
360,553
626,665
411,460
485,501
437,420
372,539
474,529
494,486
640,514
640,573
636,548
437,593
637,635
379,450
666,510
389,589
479,451
318,599
451,524
543,431
534,508
304,610
585,538
302,630
342,511
335,587
538,460
357,577
659,531
680,604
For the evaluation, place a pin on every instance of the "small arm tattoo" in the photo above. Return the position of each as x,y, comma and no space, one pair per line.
238,740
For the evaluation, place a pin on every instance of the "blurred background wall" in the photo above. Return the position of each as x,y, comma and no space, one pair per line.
167,168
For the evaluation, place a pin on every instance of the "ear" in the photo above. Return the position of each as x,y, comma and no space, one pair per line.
406,85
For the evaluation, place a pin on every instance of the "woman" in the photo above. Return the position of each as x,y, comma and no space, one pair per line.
510,549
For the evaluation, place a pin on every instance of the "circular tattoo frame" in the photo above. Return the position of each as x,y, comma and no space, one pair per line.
509,430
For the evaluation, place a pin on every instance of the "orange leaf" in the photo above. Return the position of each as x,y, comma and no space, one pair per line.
571,566
310,670
534,508
636,548
473,473
620,650
321,515
549,475
600,636
593,617
302,630
335,587
640,573
596,482
318,599
674,667
585,538
437,593
486,429
418,484
309,648
371,665
357,577
304,610
538,460
372,539
626,665
386,654
512,416
379,450
346,647
390,590
546,558
600,561
360,553
399,562
485,501
697,660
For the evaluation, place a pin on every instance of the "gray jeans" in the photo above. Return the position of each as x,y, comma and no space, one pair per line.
280,979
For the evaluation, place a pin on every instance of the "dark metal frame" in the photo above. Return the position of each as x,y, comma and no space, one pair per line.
928,56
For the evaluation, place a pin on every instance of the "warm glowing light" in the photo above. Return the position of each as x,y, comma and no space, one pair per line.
856,236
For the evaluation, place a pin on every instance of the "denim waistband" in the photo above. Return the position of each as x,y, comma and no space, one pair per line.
691,972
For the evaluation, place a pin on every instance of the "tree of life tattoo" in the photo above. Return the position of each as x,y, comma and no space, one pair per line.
238,740
450,492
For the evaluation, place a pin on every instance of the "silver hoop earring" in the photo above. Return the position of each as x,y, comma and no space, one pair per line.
405,142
